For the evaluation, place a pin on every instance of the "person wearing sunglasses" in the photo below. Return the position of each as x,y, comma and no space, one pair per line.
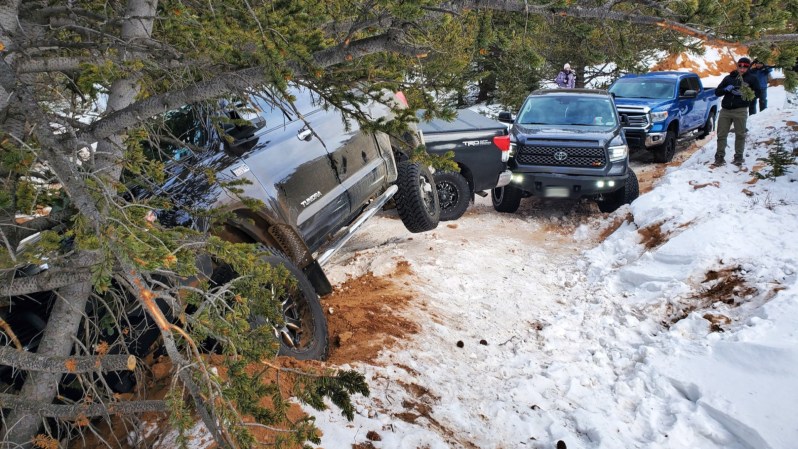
761,72
734,110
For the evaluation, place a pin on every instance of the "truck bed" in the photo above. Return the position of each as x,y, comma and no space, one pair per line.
470,136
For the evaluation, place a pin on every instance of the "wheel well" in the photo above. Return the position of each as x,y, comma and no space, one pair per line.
468,175
249,227
674,126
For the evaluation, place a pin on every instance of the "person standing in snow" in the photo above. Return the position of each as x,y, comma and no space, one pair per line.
566,79
761,72
738,89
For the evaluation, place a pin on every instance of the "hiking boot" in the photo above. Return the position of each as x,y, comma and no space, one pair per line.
738,161
718,162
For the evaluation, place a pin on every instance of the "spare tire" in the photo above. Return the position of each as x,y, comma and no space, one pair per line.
417,199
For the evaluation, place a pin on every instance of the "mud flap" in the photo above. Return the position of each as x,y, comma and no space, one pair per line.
318,279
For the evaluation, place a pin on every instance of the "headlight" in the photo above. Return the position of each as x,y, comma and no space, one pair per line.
618,152
512,148
659,116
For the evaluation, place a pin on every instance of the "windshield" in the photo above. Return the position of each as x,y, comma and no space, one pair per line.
587,110
660,89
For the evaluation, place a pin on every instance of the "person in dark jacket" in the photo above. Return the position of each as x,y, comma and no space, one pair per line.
566,79
761,72
734,109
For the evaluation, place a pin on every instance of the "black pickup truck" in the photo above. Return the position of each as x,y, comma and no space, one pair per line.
318,181
568,143
481,150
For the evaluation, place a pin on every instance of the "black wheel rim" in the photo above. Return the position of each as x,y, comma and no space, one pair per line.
447,194
296,333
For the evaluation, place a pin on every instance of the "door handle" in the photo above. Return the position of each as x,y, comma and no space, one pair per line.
304,134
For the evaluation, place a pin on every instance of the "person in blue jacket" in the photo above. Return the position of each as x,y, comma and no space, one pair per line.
761,72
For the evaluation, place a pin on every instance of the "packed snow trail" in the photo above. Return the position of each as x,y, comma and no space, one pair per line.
598,345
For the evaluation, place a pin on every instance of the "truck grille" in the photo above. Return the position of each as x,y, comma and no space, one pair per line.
637,121
637,116
574,156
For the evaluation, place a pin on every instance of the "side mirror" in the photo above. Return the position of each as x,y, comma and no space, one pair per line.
689,94
505,117
624,120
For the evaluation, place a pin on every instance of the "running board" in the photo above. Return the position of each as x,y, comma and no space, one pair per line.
350,231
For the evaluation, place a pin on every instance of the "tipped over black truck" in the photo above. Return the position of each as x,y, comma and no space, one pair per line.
568,143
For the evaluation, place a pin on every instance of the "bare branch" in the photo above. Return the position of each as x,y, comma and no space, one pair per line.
75,411
30,361
48,280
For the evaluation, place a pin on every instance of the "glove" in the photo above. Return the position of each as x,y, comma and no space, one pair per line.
729,88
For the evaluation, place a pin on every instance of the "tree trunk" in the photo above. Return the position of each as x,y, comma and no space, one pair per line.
70,304
123,92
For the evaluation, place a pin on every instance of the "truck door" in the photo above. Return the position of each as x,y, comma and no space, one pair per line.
686,107
355,157
288,154
701,101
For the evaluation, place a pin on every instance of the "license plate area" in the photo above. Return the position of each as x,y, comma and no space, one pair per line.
556,192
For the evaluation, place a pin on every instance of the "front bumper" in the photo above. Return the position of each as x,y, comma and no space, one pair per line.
639,139
552,185
504,178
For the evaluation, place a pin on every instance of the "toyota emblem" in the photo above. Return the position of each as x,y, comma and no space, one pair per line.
560,156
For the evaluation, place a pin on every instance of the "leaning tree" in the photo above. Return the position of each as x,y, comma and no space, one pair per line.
82,83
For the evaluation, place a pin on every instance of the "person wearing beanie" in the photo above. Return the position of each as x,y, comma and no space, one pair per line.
566,79
734,109
761,72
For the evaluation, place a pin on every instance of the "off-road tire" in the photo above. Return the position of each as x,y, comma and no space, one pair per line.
709,125
454,194
629,193
417,198
506,199
313,340
665,152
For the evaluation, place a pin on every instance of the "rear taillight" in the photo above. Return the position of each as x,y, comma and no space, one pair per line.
503,142
402,99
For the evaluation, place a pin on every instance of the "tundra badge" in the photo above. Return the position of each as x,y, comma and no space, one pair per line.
311,199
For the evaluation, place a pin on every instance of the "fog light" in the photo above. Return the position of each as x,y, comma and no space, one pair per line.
611,183
518,179
600,184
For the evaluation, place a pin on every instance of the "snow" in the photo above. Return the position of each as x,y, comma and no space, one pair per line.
600,344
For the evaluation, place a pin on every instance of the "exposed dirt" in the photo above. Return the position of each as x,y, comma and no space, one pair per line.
725,63
653,236
614,225
365,315
726,287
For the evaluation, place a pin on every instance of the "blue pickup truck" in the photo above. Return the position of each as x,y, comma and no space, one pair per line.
658,108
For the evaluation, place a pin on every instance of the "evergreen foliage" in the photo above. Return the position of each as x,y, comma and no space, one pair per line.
779,161
90,95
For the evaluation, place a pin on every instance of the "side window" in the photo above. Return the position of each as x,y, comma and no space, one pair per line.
180,132
684,86
695,84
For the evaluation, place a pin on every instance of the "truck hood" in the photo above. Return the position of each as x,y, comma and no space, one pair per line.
601,134
652,103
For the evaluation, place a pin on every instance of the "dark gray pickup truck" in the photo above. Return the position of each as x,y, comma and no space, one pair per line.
481,150
317,180
568,143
